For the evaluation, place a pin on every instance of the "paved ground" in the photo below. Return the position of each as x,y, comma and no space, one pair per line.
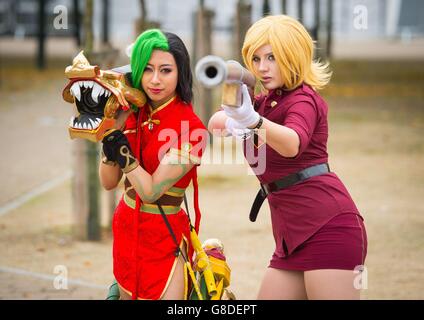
17,286
375,128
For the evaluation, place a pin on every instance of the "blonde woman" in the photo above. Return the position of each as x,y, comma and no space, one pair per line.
320,237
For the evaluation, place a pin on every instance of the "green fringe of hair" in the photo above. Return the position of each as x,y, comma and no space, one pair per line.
142,50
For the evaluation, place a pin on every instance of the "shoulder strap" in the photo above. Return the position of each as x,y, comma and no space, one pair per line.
198,215
171,232
196,204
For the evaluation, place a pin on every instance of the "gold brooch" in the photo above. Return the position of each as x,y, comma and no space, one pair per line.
150,123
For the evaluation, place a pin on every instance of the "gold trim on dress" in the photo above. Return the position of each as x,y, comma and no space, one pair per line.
173,269
162,106
154,208
170,275
151,208
175,192
150,122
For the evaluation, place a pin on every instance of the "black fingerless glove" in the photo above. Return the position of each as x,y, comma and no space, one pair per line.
116,148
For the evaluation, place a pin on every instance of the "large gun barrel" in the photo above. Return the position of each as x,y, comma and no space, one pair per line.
212,71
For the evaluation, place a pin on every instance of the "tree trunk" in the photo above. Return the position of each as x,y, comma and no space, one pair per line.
242,23
202,46
86,180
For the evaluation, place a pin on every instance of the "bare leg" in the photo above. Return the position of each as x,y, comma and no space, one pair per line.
175,290
331,284
123,294
282,285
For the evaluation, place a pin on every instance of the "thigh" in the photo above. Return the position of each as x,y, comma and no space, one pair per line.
175,290
123,295
176,286
331,284
280,284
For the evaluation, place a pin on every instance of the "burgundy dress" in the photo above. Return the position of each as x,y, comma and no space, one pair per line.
316,224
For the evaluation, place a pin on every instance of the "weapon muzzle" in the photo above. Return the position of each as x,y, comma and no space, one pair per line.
212,70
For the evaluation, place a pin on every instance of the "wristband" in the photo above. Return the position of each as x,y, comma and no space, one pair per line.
259,124
126,159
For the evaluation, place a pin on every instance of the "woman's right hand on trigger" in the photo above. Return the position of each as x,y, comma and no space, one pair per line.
244,114
235,128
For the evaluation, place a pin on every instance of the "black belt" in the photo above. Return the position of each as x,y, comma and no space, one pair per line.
283,183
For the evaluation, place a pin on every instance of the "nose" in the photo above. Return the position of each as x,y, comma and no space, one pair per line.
155,78
263,65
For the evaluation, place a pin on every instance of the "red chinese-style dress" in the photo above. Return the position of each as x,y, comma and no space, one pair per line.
143,249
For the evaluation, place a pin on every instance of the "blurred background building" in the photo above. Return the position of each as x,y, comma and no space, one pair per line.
353,21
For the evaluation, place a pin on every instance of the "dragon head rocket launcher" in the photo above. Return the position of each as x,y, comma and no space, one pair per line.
99,97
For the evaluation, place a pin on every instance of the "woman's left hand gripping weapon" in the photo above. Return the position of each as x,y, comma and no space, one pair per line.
116,148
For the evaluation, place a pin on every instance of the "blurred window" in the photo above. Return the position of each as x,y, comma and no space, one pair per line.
19,18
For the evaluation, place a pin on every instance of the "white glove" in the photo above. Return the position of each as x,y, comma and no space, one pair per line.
245,115
236,129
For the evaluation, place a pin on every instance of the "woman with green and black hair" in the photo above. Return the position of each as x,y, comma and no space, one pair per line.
157,151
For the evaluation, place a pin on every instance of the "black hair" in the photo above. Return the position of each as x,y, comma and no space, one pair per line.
185,78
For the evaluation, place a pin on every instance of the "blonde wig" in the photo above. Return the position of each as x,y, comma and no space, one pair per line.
293,49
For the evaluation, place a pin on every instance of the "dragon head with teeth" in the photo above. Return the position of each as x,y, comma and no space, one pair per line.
102,98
